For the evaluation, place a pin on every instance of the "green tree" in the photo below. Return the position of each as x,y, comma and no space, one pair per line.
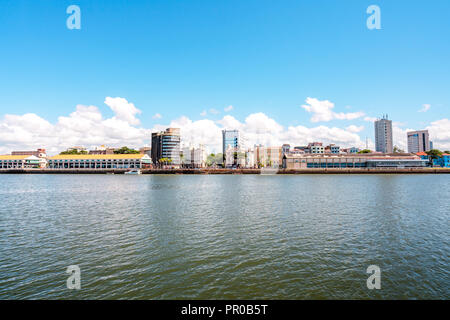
365,151
73,151
126,150
214,160
433,154
398,150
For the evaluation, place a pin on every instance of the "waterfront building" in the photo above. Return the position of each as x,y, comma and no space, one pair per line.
285,148
166,145
102,150
40,153
78,149
351,150
146,150
443,161
21,162
316,148
342,161
232,146
268,157
332,148
423,155
194,157
100,161
383,135
418,141
298,150
250,158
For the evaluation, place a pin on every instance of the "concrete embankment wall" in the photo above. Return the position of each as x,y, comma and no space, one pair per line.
230,171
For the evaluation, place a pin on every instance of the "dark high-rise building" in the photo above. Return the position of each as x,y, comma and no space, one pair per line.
166,145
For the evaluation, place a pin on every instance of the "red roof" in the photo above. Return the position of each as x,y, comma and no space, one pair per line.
421,154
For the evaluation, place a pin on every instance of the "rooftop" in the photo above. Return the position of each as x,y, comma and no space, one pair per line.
22,157
97,156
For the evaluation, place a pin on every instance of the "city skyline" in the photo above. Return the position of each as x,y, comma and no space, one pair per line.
266,69
87,127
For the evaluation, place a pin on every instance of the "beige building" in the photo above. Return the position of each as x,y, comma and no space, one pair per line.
268,156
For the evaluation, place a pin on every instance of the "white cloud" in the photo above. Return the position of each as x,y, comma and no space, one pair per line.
85,126
123,110
229,108
203,113
323,111
425,108
355,129
157,116
214,111
370,119
400,136
440,134
258,128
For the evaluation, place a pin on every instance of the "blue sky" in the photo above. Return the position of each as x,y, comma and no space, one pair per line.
179,58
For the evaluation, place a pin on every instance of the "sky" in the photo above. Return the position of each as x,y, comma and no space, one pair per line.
279,71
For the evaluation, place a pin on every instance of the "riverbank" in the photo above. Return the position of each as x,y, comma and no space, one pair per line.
235,171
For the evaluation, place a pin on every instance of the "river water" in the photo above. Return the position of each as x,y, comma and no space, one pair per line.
224,236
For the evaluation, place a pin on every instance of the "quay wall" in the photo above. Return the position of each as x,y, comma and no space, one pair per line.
235,171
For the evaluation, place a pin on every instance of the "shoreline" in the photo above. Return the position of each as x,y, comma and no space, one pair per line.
236,171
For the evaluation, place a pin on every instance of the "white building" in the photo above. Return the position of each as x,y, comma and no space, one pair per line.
21,162
194,157
250,159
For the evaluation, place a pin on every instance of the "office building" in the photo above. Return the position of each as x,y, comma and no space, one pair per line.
383,135
418,141
231,148
166,146
194,157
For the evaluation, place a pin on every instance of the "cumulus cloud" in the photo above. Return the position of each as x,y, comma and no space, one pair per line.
229,108
258,128
157,116
370,119
124,110
355,129
85,126
440,134
323,111
425,108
